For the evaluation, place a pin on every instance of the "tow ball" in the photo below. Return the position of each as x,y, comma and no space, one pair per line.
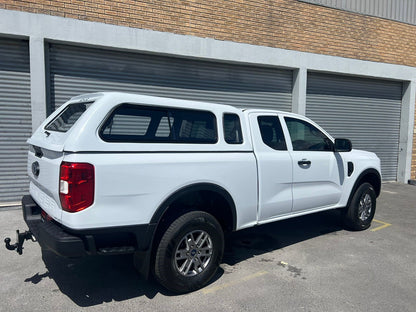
21,237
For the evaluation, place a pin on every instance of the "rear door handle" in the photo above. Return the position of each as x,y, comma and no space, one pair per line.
304,162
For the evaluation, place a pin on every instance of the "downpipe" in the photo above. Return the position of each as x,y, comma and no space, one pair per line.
21,238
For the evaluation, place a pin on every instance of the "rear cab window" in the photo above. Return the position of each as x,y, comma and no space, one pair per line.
271,132
132,123
232,129
67,118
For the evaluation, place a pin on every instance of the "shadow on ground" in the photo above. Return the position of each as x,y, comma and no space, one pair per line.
262,239
94,280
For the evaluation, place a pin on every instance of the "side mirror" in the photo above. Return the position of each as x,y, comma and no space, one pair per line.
342,145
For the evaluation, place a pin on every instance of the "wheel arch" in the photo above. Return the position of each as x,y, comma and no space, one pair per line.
165,214
191,191
371,176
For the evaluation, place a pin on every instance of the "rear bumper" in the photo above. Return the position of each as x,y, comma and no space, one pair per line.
77,243
48,233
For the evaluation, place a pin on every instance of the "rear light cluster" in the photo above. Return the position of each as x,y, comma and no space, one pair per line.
76,186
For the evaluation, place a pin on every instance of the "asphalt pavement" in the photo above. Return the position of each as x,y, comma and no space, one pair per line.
308,263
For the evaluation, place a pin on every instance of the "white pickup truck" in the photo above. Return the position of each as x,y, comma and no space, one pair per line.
166,179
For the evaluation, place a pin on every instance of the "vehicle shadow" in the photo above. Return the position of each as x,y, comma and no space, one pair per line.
94,280
259,240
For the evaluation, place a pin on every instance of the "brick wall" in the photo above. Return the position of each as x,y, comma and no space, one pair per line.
287,24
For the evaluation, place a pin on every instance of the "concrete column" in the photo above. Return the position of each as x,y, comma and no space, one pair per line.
37,80
406,131
300,77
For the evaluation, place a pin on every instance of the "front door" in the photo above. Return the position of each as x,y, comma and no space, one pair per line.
317,170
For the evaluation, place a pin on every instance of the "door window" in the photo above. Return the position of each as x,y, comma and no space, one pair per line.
306,137
271,132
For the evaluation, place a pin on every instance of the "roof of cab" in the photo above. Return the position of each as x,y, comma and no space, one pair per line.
263,110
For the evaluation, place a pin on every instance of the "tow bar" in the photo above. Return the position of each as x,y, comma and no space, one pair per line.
21,237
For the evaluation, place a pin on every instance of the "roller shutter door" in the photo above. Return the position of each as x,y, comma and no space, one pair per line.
76,70
367,111
15,119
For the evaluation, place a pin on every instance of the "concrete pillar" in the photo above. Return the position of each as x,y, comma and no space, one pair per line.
300,77
406,131
37,80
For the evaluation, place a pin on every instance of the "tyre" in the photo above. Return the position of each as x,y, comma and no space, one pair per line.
359,214
189,252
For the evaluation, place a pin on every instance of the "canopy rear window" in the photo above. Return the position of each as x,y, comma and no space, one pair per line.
67,118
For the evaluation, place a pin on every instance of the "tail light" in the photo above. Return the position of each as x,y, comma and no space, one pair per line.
76,186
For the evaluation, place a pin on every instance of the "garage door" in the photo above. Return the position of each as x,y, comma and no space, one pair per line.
15,119
367,111
76,70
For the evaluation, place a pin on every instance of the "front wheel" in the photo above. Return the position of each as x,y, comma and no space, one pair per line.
359,214
189,252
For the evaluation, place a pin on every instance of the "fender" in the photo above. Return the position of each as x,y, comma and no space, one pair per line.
358,182
157,216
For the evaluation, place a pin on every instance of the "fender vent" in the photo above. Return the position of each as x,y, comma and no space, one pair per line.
350,168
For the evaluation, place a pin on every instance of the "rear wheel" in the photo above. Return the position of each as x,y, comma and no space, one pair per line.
189,252
359,214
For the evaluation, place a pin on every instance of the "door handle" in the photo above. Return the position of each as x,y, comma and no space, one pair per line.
304,162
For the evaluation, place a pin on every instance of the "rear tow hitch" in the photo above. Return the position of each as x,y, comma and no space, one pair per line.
21,237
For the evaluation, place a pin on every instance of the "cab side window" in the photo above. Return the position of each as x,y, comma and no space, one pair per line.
306,137
232,129
271,132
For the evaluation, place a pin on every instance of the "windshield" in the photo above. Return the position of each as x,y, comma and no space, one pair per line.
67,118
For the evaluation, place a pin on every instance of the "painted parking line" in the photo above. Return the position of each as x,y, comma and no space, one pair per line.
211,290
382,226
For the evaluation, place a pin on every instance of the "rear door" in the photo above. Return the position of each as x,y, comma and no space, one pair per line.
274,166
317,171
45,157
43,170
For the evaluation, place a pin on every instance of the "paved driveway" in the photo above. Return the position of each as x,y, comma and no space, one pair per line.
304,264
